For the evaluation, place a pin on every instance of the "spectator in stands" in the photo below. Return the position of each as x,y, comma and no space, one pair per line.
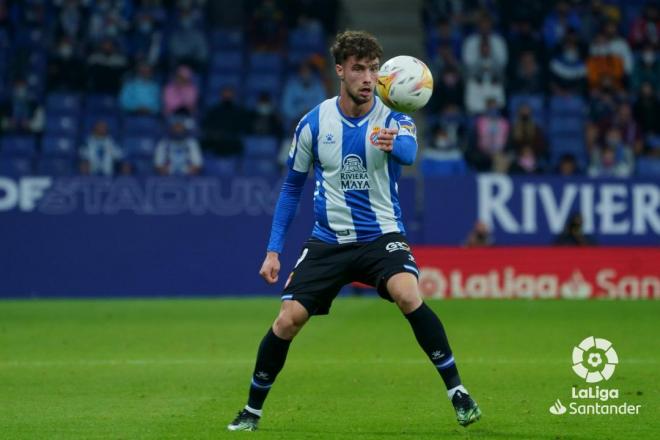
603,101
223,125
558,23
614,159
479,236
526,132
105,68
178,154
187,44
106,21
573,234
181,94
445,34
71,19
485,49
66,67
141,93
617,46
646,28
449,90
147,39
524,39
527,77
267,26
484,79
567,67
445,145
631,134
604,62
647,69
492,131
24,113
154,9
302,92
647,109
265,121
525,161
567,166
101,154
444,58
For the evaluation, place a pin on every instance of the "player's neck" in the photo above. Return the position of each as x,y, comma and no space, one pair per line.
349,108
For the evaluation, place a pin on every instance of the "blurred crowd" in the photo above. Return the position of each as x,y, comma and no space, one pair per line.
157,86
538,87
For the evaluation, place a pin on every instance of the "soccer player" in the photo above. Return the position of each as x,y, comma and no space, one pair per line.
356,146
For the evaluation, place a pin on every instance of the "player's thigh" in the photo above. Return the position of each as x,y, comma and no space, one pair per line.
403,289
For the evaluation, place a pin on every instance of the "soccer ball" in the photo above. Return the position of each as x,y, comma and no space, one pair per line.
405,84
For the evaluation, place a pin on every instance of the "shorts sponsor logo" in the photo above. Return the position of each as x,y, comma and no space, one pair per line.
594,360
353,174
394,246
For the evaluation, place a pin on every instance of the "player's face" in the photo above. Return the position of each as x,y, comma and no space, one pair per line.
359,78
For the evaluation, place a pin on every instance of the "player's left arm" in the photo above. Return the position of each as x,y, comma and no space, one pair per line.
399,139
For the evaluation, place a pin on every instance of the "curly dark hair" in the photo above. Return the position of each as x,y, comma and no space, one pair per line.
359,43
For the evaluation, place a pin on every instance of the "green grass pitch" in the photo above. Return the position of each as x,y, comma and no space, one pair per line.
179,369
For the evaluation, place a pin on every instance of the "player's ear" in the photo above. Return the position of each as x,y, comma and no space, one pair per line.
340,71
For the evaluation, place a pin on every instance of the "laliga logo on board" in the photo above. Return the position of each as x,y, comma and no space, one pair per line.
594,359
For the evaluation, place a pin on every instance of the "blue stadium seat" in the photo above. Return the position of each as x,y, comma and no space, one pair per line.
560,125
568,105
217,82
142,126
227,62
18,145
220,166
223,39
15,166
267,62
303,39
62,124
56,166
264,82
140,146
535,102
63,103
59,146
101,104
648,167
143,166
260,146
260,167
439,168
111,120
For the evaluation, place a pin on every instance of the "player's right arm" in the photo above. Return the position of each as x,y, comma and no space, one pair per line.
299,162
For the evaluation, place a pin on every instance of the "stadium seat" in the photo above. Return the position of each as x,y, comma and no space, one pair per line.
143,166
304,40
260,167
560,125
59,146
101,104
648,167
18,145
142,126
64,125
263,82
568,105
535,102
266,62
140,146
111,120
439,168
217,82
59,103
260,146
224,39
227,62
15,166
56,166
220,166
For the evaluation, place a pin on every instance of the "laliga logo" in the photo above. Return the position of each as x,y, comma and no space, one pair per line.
594,359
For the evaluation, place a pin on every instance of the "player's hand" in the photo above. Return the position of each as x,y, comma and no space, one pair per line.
386,139
270,269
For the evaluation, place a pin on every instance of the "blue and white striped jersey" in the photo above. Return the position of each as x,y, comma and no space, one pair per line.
356,195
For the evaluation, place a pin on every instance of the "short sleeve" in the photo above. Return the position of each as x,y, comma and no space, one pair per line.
300,155
404,124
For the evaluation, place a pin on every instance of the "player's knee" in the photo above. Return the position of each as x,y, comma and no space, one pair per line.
408,301
287,326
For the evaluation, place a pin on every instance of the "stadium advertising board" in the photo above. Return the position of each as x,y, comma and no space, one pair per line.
569,273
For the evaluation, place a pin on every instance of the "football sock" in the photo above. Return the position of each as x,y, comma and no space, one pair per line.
450,393
270,360
432,338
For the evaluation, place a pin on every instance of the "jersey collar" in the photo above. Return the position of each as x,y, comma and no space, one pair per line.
355,122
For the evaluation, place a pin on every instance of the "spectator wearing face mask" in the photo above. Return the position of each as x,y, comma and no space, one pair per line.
567,67
106,21
444,146
646,28
647,109
265,121
147,39
141,93
302,92
492,132
605,61
178,154
65,66
613,159
106,65
525,162
23,114
526,132
528,77
647,69
187,44
449,90
567,166
181,94
100,154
